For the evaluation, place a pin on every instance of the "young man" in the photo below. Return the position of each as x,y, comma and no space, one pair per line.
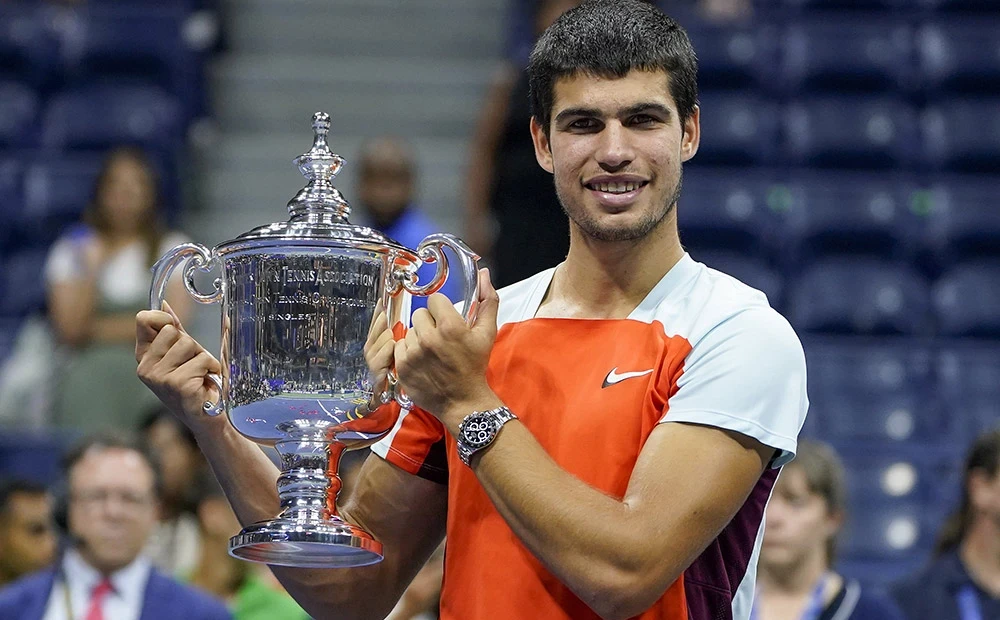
649,401
27,532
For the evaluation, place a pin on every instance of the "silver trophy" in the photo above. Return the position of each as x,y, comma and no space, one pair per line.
298,299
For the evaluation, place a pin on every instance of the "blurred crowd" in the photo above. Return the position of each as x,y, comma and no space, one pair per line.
134,497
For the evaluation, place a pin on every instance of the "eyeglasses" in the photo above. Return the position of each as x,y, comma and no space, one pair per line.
129,499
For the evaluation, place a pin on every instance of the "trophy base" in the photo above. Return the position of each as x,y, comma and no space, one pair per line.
303,544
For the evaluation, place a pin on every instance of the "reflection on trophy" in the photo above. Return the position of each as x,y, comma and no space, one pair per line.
298,299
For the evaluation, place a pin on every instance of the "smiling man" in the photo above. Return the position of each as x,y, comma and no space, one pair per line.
603,441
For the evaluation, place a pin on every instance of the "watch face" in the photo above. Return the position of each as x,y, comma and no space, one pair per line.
479,431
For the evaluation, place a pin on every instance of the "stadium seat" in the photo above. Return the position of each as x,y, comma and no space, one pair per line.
952,59
136,45
896,530
35,457
57,190
737,129
11,197
100,117
837,213
27,47
723,209
845,131
860,296
969,379
960,5
22,282
962,219
962,135
967,300
732,56
881,472
843,4
836,54
880,574
18,110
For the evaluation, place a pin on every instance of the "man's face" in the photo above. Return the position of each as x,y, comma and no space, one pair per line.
798,522
112,506
615,147
385,187
27,535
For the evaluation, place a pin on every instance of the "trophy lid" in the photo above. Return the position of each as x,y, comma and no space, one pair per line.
318,213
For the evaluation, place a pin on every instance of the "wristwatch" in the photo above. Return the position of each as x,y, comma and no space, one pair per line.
479,429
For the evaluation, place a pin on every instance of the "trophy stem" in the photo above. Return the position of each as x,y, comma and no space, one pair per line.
309,481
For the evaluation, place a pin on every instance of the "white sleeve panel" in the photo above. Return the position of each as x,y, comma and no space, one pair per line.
748,375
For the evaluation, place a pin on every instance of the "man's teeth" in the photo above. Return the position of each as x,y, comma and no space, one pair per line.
617,188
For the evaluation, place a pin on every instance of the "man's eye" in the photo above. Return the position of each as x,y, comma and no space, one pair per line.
583,123
643,119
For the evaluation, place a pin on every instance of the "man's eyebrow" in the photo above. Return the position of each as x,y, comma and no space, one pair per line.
632,110
568,112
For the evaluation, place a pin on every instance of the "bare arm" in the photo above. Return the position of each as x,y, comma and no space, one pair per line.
404,512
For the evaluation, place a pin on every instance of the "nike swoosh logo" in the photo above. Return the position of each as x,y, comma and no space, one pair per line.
613,376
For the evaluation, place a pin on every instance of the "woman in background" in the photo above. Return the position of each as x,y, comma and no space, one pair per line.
795,579
97,277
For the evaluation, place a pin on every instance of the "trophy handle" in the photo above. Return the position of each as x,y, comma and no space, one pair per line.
431,250
202,259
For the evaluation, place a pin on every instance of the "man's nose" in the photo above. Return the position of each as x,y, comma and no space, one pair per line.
615,150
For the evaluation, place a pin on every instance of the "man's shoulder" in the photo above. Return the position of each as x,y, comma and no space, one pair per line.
28,592
175,599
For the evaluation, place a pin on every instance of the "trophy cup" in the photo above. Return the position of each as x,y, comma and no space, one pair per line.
298,299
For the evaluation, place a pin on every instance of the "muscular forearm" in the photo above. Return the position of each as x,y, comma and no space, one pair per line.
588,540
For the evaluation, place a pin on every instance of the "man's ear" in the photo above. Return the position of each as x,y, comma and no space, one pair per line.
691,137
543,149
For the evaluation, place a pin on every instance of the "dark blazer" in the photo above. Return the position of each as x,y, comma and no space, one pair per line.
164,599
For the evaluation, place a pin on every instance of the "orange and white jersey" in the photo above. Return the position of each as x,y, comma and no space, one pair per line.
701,348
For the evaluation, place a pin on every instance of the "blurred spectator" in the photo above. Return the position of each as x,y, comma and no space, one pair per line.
422,598
109,509
963,580
235,581
98,278
175,543
27,533
513,216
795,578
386,188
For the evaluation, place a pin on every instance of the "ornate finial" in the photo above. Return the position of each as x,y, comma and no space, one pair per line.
319,166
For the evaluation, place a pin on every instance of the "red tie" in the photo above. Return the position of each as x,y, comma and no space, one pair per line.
101,591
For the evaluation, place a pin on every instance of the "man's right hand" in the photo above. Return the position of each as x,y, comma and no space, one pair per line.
173,365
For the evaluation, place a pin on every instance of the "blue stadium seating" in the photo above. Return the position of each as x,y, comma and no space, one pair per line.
860,296
962,218
99,117
966,299
11,197
22,282
896,531
952,59
845,131
18,110
733,56
32,457
724,209
737,129
856,53
57,190
969,382
960,5
835,213
841,4
962,135
28,48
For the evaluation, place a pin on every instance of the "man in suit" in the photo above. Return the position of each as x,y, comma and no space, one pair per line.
108,506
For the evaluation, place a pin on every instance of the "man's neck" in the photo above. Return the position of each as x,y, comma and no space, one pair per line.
792,580
602,279
980,553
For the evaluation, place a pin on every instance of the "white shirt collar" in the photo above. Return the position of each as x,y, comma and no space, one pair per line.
128,583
